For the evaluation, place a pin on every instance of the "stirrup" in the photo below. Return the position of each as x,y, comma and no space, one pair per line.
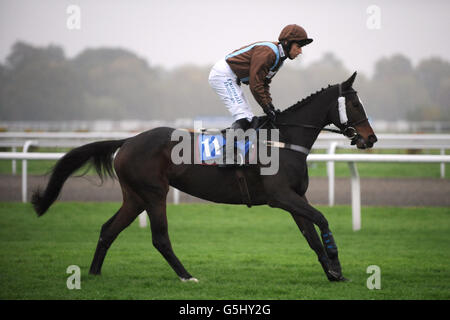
238,159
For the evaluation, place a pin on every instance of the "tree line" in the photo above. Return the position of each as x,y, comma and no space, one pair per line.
41,83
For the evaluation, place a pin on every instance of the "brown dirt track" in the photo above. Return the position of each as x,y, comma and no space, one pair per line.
374,191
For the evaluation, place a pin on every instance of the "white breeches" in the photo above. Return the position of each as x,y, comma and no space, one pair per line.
223,80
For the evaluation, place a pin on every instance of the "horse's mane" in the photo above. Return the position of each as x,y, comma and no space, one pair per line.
306,100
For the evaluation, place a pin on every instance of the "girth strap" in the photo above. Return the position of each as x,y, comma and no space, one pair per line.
242,182
289,146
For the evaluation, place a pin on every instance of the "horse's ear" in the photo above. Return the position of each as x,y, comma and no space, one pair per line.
349,82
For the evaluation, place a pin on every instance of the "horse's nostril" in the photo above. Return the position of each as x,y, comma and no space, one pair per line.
373,139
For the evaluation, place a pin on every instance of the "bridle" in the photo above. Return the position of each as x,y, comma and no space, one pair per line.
348,128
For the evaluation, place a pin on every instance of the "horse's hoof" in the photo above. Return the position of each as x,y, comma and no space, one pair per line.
189,279
344,279
334,276
92,273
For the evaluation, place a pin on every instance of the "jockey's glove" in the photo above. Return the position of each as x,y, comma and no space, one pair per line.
271,112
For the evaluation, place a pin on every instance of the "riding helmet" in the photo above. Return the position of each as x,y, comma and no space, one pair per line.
293,33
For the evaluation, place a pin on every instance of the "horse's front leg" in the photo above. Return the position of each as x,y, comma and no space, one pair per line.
331,266
306,216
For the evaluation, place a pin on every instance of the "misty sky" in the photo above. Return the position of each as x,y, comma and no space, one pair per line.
174,32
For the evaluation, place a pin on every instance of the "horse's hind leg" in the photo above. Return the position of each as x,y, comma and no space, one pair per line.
111,229
160,238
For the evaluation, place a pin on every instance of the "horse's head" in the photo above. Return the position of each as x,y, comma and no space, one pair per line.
351,117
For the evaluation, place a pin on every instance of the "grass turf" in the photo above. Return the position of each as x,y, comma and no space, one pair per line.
235,252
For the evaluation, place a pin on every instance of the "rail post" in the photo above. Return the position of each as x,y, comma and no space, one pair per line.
143,219
26,146
176,196
356,196
14,163
330,173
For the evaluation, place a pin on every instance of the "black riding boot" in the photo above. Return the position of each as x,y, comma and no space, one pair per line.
242,124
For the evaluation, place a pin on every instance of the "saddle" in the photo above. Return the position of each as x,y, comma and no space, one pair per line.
212,148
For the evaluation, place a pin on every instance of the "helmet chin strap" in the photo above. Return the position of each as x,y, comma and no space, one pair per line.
287,47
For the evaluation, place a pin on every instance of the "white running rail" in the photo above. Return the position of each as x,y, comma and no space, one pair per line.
351,159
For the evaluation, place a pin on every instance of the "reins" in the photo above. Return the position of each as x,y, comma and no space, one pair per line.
349,127
348,130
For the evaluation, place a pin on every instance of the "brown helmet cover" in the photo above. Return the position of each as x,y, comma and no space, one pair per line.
294,33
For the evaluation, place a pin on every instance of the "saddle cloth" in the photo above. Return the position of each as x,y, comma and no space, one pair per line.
211,149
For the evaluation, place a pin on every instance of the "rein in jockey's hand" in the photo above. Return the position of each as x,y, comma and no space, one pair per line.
271,112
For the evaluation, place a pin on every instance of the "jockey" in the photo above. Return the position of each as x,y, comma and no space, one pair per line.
255,65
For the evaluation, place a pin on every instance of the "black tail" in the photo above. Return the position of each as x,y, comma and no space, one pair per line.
98,153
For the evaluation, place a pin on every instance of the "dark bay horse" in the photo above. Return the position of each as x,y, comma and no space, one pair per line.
145,170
